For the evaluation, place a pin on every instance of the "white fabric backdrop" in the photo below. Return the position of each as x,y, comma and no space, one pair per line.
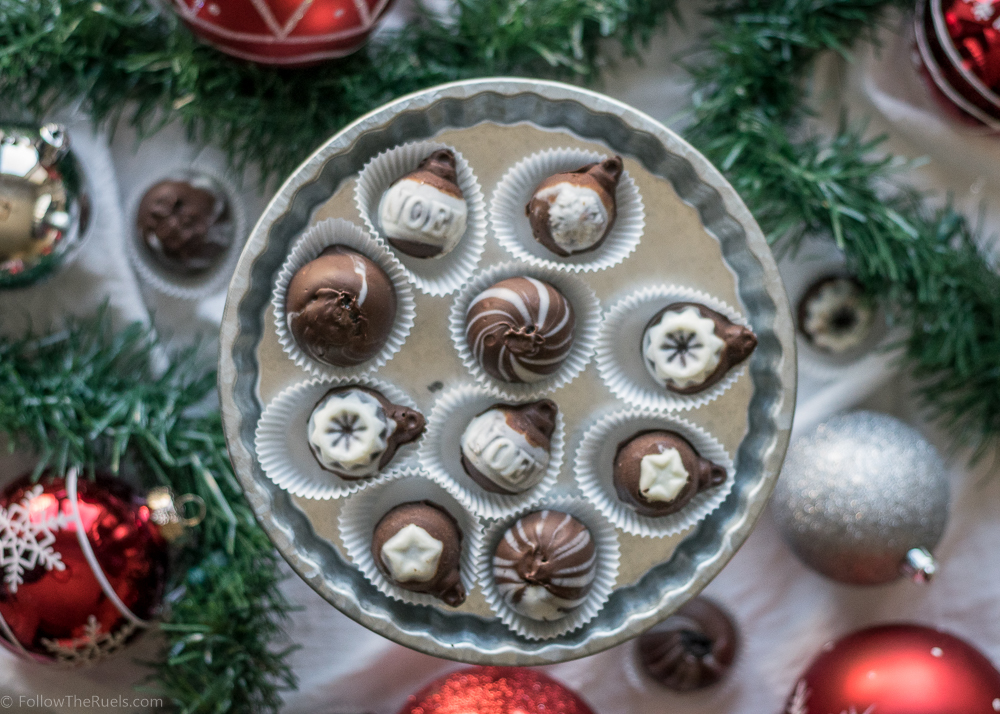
785,611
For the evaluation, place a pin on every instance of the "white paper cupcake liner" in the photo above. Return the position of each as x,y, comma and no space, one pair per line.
433,276
619,349
608,558
362,513
282,440
513,230
336,231
441,454
586,307
174,284
593,468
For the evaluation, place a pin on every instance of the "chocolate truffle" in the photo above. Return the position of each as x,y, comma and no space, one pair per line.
545,565
340,307
836,315
424,214
691,649
688,347
506,449
573,212
186,228
520,329
354,431
659,472
418,546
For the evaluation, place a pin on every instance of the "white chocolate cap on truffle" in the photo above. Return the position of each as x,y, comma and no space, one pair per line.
349,431
682,348
662,476
577,216
412,555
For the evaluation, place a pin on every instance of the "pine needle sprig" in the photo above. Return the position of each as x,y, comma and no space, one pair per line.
90,398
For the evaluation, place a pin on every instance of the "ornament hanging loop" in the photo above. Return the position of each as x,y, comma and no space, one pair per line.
919,565
167,512
200,506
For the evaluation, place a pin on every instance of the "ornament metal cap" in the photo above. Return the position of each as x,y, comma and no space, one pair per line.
165,512
919,565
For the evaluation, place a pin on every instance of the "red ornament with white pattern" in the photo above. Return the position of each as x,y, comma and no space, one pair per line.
898,669
83,567
290,33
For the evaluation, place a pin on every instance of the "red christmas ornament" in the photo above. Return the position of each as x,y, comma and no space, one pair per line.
959,50
898,669
83,568
495,690
290,33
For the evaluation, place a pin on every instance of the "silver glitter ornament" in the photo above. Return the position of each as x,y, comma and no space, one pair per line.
43,204
863,499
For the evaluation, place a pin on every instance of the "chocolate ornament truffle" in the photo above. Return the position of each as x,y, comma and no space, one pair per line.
688,347
506,449
659,472
545,565
424,213
836,315
354,431
186,228
418,546
573,212
692,649
340,307
520,329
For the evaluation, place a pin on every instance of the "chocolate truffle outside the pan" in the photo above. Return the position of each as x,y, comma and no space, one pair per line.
836,315
545,565
573,212
424,213
354,432
340,307
657,473
688,347
186,228
506,449
418,546
520,329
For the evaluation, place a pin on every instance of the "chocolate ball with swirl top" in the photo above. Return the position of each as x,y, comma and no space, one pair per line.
506,449
340,307
354,432
520,329
573,212
692,649
657,473
687,347
545,565
418,546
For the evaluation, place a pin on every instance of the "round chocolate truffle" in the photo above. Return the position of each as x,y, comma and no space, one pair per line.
424,213
520,329
573,212
186,227
354,431
506,449
418,546
836,315
692,649
659,472
340,307
545,565
688,347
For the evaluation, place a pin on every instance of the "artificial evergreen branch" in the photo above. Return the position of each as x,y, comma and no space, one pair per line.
89,398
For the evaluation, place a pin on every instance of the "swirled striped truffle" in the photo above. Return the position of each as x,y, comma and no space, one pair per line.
545,565
520,329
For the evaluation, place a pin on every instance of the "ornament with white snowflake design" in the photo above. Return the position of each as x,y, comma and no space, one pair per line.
84,567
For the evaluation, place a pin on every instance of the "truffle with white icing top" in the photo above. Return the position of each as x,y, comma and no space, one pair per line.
836,315
424,214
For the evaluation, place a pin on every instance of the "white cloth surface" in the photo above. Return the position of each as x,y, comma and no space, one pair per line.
786,612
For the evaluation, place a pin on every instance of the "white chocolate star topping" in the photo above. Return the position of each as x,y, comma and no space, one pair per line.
412,555
662,476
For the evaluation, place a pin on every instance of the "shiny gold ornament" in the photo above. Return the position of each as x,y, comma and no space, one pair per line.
44,207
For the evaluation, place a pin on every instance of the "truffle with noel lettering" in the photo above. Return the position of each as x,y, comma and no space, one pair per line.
355,432
418,546
687,347
506,449
424,213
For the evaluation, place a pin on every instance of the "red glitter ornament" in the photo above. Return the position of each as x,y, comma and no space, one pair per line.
83,566
898,669
292,33
959,49
495,690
